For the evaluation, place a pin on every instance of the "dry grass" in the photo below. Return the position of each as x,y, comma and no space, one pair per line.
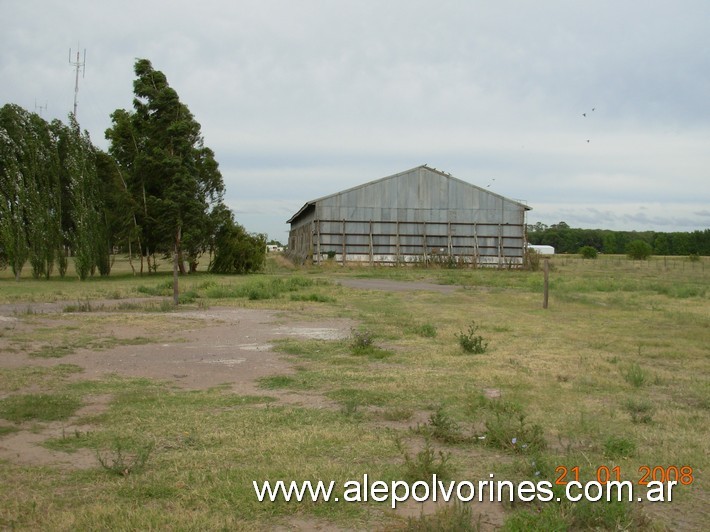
564,368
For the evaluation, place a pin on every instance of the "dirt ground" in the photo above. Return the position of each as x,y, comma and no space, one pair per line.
219,346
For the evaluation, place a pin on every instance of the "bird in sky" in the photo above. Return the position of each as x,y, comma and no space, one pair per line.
584,114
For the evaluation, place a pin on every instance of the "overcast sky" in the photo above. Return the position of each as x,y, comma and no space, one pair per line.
300,99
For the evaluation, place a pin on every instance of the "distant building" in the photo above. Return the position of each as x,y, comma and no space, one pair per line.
273,247
542,249
420,215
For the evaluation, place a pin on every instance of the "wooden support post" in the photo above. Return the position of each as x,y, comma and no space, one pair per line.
500,246
476,254
546,270
372,251
318,241
344,251
426,259
397,244
450,242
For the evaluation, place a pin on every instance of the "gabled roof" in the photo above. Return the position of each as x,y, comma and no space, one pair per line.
448,176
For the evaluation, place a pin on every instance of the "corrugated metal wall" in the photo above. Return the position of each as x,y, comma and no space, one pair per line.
418,215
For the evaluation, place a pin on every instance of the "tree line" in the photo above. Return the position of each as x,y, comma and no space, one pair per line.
157,192
566,239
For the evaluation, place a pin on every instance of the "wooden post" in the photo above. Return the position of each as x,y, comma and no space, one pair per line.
176,290
372,250
426,259
450,242
397,243
546,269
344,243
318,241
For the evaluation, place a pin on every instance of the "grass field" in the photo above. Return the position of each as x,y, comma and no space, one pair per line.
614,374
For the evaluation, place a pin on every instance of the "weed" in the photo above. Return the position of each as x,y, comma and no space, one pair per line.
317,298
83,306
190,296
442,428
163,289
514,433
641,411
363,344
618,447
426,463
471,342
456,516
361,339
397,414
427,330
119,462
635,375
507,427
582,515
350,406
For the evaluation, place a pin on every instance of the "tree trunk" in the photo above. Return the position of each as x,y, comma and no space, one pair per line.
181,263
130,256
176,291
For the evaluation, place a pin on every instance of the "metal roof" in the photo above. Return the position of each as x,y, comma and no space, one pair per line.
446,175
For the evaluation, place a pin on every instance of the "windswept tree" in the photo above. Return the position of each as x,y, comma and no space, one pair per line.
233,249
30,207
174,179
84,229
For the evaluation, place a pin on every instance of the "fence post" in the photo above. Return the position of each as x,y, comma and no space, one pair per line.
546,270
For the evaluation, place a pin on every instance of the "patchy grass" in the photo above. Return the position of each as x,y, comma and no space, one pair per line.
38,407
14,379
562,382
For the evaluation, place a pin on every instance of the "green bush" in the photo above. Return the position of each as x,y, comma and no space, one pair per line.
472,342
236,250
588,252
638,250
443,428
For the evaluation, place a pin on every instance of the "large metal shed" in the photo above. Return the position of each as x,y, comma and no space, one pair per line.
422,215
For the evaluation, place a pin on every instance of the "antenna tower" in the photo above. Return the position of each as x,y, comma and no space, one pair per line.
78,65
40,107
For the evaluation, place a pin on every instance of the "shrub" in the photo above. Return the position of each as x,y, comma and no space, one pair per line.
588,252
531,260
639,250
635,375
118,462
425,464
512,432
426,330
443,428
236,250
640,411
472,342
362,339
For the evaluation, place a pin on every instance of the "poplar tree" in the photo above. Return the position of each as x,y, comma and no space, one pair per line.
30,209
